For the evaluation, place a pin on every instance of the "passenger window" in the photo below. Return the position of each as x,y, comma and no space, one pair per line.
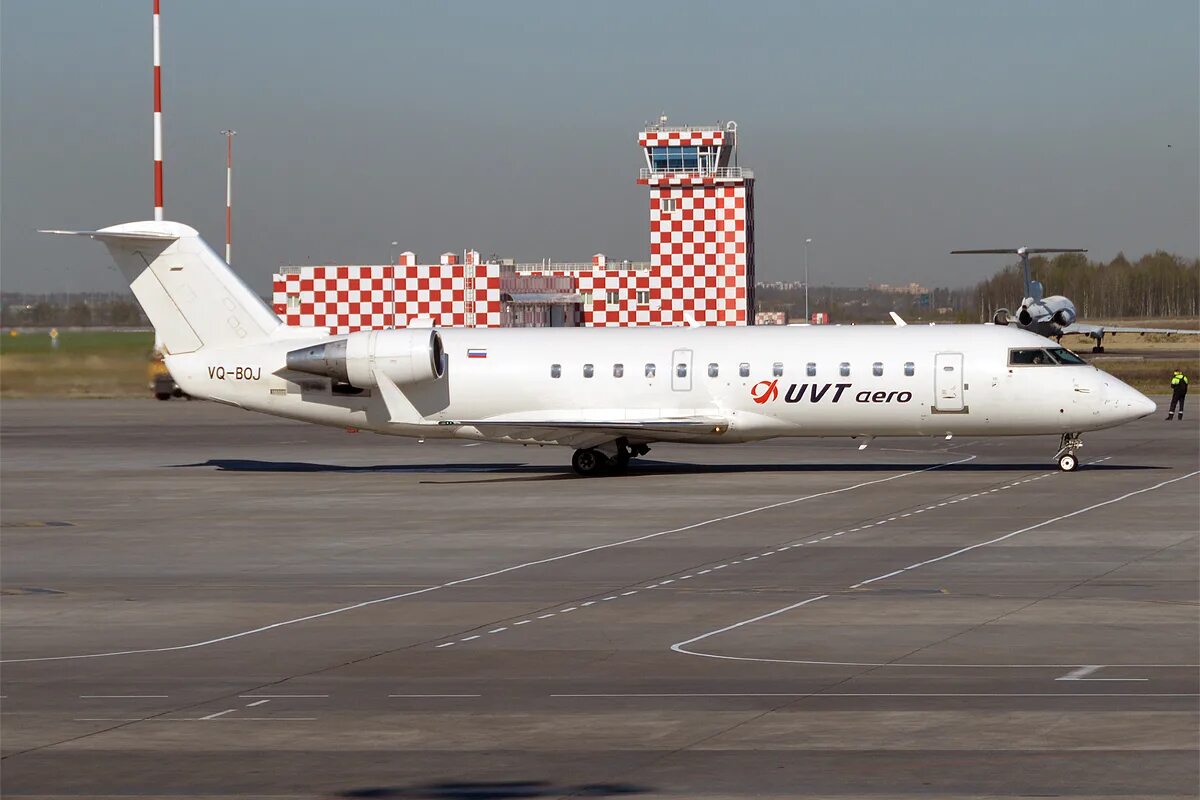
681,370
877,369
909,368
811,370
712,370
618,370
777,369
556,370
844,369
588,370
744,369
650,370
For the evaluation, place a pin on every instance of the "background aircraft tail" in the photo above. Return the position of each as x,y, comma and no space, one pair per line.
192,297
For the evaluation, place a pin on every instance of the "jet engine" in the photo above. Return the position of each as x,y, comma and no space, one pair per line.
404,356
1000,317
1062,311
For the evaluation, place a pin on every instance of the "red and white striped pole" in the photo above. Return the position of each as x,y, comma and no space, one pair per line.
158,155
228,134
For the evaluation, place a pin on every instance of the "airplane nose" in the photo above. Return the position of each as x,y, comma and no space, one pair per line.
1132,403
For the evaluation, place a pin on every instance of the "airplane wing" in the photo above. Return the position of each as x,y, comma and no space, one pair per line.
1087,329
589,433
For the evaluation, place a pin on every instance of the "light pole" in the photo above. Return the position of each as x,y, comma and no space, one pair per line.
807,318
228,134
391,252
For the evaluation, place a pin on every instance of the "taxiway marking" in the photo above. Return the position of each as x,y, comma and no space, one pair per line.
219,714
1082,674
680,647
818,540
486,575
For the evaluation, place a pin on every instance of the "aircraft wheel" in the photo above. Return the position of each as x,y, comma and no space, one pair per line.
1068,462
162,395
588,462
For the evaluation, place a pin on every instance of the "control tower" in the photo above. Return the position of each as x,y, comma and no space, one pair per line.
701,222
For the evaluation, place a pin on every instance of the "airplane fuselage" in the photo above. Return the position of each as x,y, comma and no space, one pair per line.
757,383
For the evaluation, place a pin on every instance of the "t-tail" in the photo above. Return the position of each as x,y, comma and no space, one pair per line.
191,296
1033,289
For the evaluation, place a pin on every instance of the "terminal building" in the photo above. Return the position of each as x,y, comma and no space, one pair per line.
700,268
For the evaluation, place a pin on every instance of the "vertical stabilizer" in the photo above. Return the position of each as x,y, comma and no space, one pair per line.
193,299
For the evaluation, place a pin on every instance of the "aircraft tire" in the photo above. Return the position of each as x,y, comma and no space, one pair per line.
1068,462
162,395
589,463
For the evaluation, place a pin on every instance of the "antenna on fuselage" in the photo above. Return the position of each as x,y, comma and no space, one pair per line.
1033,289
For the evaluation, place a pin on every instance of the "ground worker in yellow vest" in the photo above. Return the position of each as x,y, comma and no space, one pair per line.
1179,384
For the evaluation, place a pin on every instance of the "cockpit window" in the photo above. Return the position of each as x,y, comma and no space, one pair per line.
1052,356
1065,356
1022,358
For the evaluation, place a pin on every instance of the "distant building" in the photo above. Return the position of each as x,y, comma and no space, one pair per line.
701,267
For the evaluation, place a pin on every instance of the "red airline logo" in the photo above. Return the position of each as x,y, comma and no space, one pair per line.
765,391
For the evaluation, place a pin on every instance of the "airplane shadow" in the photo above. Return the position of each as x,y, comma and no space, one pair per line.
492,790
515,471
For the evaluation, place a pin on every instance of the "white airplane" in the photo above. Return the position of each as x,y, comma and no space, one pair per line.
1054,317
608,393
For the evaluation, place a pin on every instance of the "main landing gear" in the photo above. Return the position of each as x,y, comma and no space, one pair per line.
598,461
1067,460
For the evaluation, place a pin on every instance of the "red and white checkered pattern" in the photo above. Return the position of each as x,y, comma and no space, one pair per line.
702,251
348,299
343,298
700,137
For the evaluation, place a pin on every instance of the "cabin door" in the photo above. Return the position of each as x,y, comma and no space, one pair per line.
681,370
948,384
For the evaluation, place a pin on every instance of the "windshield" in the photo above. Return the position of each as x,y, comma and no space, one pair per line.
1050,356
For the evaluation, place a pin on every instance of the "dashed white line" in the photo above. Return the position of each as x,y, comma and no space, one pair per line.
281,696
501,629
546,616
523,622
219,714
120,696
436,695
447,644
469,638
257,703
568,610
626,594
485,575
680,647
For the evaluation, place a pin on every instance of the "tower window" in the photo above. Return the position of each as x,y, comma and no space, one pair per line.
643,297
293,301
612,298
667,205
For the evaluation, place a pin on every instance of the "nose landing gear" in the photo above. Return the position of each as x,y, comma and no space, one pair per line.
1066,458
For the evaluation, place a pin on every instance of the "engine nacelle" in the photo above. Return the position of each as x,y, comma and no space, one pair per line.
405,356
1000,317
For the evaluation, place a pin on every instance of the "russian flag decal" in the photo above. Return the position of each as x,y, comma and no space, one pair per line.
476,353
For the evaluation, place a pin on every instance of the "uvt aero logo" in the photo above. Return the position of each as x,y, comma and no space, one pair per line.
765,392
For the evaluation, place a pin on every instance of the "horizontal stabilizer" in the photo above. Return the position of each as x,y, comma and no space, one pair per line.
134,236
1018,251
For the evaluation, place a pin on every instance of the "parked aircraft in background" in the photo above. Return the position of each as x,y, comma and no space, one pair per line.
1054,316
609,393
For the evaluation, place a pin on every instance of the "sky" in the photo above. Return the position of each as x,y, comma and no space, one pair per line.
888,132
